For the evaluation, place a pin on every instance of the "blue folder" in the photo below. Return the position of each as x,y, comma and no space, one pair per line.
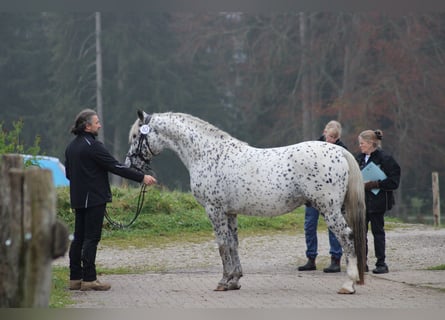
373,173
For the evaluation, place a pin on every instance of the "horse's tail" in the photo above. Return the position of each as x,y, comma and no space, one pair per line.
356,212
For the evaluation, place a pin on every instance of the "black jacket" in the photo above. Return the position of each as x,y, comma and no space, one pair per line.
338,142
384,200
87,164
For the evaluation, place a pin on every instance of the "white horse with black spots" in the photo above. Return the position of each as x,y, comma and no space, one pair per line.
229,177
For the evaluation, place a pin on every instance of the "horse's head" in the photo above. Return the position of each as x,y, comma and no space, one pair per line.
142,143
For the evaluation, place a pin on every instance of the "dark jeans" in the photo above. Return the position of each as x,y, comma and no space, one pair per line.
310,231
87,234
378,231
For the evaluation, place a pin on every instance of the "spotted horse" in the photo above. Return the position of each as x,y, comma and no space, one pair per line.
229,177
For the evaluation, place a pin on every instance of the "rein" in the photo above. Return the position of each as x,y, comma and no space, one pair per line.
120,225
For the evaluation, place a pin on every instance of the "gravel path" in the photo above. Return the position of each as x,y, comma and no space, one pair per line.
185,274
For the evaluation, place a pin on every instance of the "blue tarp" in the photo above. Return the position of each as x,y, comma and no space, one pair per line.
53,164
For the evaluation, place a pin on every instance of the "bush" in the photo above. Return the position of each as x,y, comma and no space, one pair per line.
10,141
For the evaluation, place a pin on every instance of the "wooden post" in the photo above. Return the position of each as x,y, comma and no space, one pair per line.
10,231
28,231
436,199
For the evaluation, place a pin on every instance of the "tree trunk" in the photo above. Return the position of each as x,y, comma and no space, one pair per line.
305,80
99,77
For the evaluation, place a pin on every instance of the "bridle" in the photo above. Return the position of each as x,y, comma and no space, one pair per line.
143,130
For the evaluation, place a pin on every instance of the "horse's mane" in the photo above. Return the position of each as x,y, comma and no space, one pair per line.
198,124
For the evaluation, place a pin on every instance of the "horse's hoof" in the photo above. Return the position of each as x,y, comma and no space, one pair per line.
221,288
347,288
234,286
345,291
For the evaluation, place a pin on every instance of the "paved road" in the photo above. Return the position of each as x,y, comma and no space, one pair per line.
311,290
272,281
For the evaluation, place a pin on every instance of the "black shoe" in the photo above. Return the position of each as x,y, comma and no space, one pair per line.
310,265
334,267
381,269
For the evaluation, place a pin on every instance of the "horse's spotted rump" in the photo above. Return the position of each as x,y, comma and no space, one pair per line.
229,177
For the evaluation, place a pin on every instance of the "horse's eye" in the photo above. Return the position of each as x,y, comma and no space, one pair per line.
134,136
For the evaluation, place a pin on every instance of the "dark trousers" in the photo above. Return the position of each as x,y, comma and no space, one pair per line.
378,231
87,234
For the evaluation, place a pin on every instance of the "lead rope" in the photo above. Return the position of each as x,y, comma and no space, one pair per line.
120,225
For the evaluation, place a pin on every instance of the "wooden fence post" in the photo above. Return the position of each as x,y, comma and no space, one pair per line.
436,199
29,229
10,229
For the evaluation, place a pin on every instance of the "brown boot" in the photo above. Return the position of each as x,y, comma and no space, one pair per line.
75,284
310,265
94,285
334,267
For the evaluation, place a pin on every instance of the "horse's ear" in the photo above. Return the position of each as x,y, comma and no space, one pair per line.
141,115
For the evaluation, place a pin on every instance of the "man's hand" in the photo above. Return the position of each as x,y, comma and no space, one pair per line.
149,180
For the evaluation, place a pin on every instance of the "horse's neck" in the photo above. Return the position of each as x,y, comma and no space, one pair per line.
190,138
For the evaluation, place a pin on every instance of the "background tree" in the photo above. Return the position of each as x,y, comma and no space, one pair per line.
25,91
268,79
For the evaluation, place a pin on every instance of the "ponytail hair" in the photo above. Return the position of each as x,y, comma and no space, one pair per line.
378,134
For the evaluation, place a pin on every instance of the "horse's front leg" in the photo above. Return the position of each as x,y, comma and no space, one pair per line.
337,224
231,271
226,232
236,271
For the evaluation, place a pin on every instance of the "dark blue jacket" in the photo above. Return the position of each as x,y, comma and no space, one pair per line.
87,164
384,200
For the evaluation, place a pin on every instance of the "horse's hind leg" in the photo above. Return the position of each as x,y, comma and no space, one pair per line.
226,232
337,224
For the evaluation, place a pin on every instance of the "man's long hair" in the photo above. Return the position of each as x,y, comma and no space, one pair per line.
82,119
